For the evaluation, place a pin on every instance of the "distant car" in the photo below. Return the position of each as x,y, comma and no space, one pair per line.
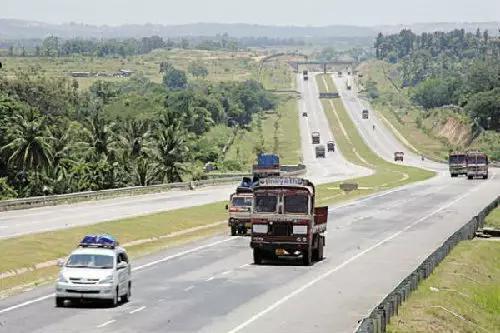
98,269
331,146
398,156
365,114
304,114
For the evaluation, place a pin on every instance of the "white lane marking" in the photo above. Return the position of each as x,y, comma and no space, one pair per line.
226,272
345,263
180,254
3,226
106,323
134,269
210,278
138,309
189,288
243,266
10,308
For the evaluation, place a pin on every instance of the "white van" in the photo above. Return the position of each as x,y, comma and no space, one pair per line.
98,270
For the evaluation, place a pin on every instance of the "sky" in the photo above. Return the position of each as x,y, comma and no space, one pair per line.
271,12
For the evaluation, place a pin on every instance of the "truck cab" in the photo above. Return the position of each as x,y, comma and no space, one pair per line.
240,210
477,165
399,156
320,151
331,146
285,221
315,137
457,163
364,114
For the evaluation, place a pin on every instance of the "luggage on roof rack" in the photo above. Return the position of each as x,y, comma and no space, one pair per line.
105,241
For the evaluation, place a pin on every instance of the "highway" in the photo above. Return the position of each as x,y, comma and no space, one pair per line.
212,286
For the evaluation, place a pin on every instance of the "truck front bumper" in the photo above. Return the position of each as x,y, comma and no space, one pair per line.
282,248
239,223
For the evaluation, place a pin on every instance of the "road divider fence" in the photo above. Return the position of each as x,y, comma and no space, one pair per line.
215,179
380,316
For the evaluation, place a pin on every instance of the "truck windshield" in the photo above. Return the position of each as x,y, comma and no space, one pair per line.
90,261
265,204
296,204
457,159
242,201
476,160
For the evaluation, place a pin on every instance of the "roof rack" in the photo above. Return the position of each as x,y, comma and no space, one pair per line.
101,241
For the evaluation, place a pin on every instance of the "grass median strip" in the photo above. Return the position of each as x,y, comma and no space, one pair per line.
387,175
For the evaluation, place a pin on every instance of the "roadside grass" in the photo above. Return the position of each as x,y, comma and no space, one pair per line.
493,219
276,131
387,175
461,295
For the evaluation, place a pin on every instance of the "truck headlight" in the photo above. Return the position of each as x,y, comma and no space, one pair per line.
260,228
300,229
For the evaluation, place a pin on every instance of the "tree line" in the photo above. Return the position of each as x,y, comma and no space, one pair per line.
57,139
449,68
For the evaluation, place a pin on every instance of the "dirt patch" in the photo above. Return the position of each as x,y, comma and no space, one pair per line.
455,131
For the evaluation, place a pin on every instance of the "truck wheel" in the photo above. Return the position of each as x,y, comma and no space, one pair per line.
320,248
307,257
470,177
233,231
59,302
257,257
485,177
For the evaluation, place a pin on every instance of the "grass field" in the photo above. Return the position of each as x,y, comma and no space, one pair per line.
461,295
493,219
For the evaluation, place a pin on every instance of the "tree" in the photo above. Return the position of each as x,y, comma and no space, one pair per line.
433,93
175,79
197,70
485,107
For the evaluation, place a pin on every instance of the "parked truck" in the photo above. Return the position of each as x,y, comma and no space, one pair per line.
477,165
240,209
305,74
457,163
315,137
285,221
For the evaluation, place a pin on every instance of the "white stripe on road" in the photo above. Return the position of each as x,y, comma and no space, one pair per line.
106,323
345,263
138,309
26,303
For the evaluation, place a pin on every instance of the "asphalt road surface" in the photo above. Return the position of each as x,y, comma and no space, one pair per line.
212,286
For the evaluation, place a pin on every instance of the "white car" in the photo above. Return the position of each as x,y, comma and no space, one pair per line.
98,270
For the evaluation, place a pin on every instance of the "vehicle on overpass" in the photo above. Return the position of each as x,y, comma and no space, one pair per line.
477,165
305,74
398,156
268,165
315,137
285,221
330,145
457,163
240,209
320,151
348,83
97,270
364,115
304,114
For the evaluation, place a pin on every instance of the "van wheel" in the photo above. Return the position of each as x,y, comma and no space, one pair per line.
257,257
307,257
114,301
125,298
233,231
59,302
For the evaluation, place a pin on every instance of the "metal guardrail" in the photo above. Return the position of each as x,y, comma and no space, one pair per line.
52,200
380,316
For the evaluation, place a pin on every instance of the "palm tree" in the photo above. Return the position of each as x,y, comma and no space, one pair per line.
171,147
135,139
30,147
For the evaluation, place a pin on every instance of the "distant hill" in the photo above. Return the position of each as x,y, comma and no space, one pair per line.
20,29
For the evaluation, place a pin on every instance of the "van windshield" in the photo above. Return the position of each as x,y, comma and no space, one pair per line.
296,204
242,201
90,261
265,203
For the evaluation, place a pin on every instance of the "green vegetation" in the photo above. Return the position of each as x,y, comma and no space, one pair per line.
493,219
445,86
387,175
461,295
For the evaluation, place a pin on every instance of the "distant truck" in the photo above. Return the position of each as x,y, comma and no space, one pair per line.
240,210
285,221
348,83
399,156
305,74
320,151
339,74
268,165
364,114
477,165
457,163
331,145
315,137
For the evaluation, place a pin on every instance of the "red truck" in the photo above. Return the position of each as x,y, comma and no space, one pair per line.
285,221
477,165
